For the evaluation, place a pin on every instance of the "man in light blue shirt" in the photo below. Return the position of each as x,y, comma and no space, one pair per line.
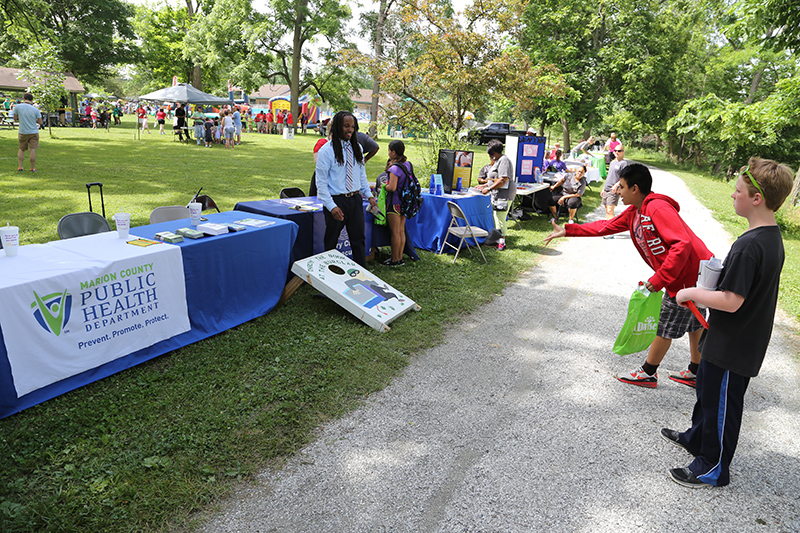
341,182
237,123
29,119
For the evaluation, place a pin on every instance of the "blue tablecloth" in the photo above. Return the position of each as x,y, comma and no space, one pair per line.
429,227
310,224
230,279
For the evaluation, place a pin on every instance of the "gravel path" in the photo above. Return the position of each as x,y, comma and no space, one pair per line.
515,423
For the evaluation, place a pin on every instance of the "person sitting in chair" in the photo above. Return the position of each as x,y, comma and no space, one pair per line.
568,191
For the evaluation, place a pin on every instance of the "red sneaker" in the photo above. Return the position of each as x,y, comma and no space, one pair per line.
640,378
684,376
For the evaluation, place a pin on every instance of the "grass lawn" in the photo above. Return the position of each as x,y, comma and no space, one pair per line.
151,448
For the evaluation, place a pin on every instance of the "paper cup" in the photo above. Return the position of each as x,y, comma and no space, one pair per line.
123,222
195,211
10,238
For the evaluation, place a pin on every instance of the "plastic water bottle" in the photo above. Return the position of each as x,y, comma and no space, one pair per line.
537,175
458,184
433,184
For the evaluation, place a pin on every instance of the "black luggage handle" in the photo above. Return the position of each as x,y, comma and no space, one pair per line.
102,200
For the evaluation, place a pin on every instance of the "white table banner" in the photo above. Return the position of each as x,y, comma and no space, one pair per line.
76,304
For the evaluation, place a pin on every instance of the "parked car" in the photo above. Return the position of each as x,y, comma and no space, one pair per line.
495,130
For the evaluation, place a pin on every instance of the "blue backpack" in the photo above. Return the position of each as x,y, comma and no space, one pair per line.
410,194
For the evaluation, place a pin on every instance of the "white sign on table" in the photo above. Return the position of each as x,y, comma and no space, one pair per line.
73,305
353,287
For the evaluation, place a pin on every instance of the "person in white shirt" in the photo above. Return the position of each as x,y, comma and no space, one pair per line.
29,118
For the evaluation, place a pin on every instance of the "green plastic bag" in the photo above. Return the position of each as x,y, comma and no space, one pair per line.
640,327
380,217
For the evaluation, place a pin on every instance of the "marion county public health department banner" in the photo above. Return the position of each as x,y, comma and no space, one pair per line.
65,323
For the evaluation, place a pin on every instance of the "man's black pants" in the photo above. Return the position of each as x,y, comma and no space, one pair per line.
353,210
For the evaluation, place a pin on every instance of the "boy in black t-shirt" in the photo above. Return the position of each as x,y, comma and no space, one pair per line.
742,310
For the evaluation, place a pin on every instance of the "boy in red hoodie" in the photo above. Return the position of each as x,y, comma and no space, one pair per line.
672,249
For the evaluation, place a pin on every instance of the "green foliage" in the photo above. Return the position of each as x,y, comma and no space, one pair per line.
45,71
162,30
226,40
729,133
91,35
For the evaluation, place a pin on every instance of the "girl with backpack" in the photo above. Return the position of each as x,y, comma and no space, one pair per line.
398,169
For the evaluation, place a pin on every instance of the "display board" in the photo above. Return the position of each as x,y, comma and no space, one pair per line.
527,154
454,164
354,288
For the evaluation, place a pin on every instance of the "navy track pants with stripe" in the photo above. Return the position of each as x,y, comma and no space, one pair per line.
716,421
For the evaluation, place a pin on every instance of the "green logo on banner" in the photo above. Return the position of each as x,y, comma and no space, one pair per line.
52,311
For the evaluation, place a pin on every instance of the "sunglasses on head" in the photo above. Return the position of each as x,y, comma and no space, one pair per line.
619,150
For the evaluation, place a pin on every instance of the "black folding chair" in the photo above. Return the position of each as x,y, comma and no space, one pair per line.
292,192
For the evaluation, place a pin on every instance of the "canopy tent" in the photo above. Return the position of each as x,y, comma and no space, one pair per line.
184,93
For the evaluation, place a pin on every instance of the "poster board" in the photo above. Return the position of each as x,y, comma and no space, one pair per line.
527,154
354,288
454,164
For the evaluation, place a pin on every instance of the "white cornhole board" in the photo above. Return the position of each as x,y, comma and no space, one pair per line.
288,133
354,288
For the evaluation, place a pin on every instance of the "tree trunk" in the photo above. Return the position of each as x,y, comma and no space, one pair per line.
754,84
565,135
759,72
197,77
376,83
795,195
297,54
197,73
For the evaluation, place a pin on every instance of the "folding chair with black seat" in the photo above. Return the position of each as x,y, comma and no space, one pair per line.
292,192
79,224
312,189
467,231
167,213
205,201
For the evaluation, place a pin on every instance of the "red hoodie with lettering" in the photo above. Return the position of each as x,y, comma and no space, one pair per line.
662,238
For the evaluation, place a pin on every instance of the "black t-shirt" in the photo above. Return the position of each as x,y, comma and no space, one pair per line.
738,341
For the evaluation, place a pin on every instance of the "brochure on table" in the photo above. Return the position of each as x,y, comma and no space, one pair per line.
73,305
527,155
354,288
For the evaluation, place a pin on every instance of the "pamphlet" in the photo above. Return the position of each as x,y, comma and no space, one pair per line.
294,201
255,222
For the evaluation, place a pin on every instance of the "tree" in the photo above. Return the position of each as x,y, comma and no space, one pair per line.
43,68
91,36
161,31
374,24
306,20
227,39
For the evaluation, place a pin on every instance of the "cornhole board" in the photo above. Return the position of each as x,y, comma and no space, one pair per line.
354,288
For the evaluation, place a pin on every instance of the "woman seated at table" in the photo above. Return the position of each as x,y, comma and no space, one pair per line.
568,191
557,165
398,169
503,187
